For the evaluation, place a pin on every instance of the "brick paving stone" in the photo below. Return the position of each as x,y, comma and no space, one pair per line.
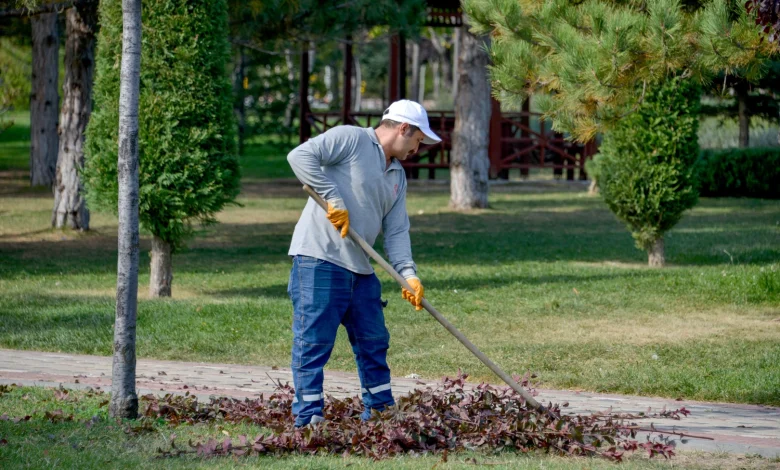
734,428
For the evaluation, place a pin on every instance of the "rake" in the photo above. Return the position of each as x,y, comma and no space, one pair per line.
435,313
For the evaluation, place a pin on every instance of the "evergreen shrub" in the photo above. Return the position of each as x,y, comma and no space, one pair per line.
646,162
188,168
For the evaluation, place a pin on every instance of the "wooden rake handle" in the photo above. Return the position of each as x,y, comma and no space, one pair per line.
427,305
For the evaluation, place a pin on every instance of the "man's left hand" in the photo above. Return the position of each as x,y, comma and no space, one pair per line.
414,298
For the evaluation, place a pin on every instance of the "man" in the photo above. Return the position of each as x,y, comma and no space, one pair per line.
357,171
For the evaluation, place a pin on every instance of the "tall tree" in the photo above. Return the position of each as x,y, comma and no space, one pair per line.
70,208
469,163
735,97
188,165
586,58
124,401
596,61
44,99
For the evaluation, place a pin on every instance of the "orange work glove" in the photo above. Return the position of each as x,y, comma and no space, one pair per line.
416,297
339,218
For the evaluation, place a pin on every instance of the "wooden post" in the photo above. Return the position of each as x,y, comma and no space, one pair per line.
557,159
494,143
393,92
525,121
401,67
346,104
304,131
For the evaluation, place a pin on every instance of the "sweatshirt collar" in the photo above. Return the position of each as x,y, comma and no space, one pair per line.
394,163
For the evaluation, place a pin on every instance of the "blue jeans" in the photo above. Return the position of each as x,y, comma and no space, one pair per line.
325,295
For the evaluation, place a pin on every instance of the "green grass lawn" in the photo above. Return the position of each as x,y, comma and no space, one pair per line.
93,441
546,280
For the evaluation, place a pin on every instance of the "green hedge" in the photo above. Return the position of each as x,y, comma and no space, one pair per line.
751,172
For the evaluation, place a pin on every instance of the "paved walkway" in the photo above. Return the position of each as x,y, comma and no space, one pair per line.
743,429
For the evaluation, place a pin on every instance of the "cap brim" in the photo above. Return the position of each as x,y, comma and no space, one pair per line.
430,137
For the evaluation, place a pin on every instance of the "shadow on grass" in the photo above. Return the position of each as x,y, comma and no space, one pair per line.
477,283
549,229
27,317
461,283
275,291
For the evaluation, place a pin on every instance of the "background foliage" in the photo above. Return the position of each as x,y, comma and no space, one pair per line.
753,172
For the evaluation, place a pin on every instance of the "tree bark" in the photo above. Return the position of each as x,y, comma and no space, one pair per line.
312,57
161,269
744,115
593,187
415,71
331,80
455,63
70,207
436,72
293,99
655,255
124,401
44,100
469,166
421,89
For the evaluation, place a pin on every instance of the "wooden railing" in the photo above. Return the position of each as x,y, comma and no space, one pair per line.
525,142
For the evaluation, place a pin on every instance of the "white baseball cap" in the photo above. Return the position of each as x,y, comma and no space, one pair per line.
412,113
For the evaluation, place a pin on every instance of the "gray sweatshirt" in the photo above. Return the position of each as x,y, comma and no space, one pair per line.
346,166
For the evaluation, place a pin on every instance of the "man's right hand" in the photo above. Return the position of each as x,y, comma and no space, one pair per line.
414,298
339,218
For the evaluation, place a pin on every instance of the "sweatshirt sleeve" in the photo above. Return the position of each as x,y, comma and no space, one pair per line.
329,148
398,246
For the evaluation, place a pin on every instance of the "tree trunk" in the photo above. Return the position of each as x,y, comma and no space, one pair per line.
124,401
44,100
312,57
436,72
593,187
455,63
744,115
292,98
161,269
358,94
415,71
70,208
469,167
331,80
655,255
421,89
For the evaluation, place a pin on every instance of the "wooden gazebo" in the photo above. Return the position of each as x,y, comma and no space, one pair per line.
517,139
